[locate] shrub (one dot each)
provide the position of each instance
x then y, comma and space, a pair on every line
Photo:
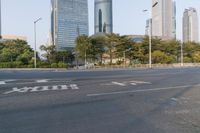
54, 65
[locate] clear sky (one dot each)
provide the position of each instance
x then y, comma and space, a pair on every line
18, 17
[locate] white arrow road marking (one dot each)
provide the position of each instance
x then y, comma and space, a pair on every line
125, 83
120, 84
74, 87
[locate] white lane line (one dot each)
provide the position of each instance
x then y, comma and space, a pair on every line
5, 81
42, 81
144, 90
140, 82
109, 84
117, 83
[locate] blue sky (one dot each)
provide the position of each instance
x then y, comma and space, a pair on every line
18, 17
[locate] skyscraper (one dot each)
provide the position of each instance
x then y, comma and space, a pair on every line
190, 25
103, 16
69, 19
163, 19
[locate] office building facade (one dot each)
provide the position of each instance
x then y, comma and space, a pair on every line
103, 16
190, 25
164, 19
69, 19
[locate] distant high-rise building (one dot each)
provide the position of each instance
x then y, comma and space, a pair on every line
164, 19
69, 19
190, 25
103, 16
174, 20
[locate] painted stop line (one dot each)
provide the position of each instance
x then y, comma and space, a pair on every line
42, 88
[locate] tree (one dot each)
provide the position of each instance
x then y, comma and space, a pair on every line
138, 53
189, 50
97, 48
50, 53
82, 46
196, 57
64, 56
16, 50
159, 57
111, 41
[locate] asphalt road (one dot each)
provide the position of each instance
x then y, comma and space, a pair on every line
113, 101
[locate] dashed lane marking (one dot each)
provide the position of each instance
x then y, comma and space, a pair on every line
139, 82
117, 83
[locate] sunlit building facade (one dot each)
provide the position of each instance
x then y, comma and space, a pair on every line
190, 25
164, 19
69, 19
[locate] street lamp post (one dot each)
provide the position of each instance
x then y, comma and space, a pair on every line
124, 59
85, 59
35, 53
181, 54
150, 41
150, 34
124, 54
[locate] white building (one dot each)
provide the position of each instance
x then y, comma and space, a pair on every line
164, 19
190, 25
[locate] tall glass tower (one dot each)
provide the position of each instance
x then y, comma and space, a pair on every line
103, 16
69, 19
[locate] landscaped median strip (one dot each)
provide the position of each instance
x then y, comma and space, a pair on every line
143, 90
